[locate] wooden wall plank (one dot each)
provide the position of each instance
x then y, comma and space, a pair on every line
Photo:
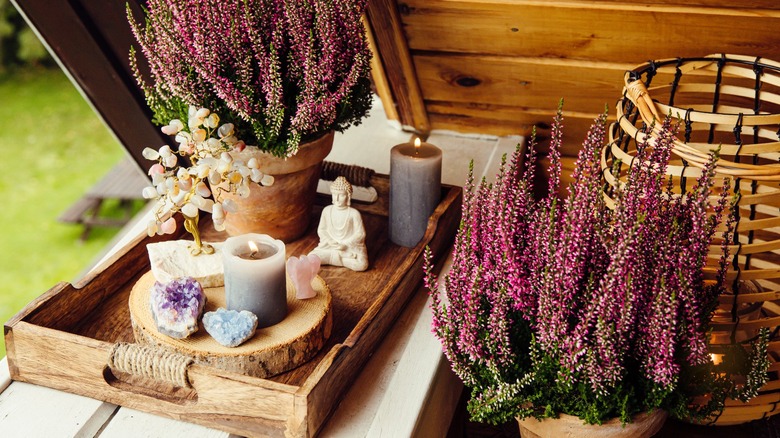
643, 4
726, 4
597, 31
490, 119
508, 96
390, 41
520, 82
495, 66
481, 119
379, 76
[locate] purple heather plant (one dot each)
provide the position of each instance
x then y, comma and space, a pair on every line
584, 308
281, 71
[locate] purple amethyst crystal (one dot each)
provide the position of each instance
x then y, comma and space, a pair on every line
176, 306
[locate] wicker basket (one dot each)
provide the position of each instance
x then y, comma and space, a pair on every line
732, 102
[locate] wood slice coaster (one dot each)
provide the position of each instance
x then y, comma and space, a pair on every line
272, 350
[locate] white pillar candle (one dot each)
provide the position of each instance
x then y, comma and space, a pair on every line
415, 190
255, 277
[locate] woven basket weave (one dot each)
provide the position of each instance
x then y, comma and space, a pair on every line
733, 102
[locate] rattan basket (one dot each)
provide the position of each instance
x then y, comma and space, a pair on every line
733, 102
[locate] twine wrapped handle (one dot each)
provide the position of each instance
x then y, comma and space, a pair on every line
150, 362
359, 176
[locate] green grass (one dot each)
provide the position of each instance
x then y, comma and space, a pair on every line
53, 148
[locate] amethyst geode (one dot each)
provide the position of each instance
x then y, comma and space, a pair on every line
176, 306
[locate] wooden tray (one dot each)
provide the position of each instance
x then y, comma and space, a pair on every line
64, 338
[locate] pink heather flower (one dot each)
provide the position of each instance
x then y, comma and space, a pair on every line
279, 70
596, 290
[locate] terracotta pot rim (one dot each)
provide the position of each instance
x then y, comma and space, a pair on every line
309, 154
644, 424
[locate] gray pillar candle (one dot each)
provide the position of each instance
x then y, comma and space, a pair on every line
255, 278
415, 190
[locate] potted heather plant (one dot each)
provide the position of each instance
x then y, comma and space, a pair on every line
595, 316
285, 74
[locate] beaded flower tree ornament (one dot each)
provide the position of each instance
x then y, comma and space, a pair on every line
188, 190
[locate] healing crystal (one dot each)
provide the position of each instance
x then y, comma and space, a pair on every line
176, 306
302, 271
230, 327
172, 259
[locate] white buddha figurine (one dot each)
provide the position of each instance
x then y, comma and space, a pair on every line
341, 231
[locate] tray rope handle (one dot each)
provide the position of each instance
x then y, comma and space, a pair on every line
150, 362
356, 175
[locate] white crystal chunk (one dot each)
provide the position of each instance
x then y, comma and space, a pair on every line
172, 259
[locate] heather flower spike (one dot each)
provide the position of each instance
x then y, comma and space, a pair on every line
573, 307
280, 71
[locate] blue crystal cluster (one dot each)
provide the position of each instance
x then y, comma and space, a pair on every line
177, 306
230, 328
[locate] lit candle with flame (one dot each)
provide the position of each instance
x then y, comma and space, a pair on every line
415, 190
255, 277
717, 359
257, 252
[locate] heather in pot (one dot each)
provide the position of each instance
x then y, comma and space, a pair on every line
572, 307
282, 72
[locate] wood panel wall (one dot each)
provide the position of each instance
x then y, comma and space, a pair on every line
501, 66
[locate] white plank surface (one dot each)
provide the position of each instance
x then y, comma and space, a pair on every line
504, 146
413, 384
356, 413
32, 411
129, 423
368, 144
5, 375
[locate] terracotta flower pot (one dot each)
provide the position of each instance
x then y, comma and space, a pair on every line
644, 425
282, 210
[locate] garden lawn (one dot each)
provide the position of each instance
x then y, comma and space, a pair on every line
53, 148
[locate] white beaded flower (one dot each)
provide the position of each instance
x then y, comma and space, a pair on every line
190, 189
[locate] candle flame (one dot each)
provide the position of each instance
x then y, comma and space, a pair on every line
417, 143
716, 358
252, 246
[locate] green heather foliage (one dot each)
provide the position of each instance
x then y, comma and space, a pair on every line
572, 307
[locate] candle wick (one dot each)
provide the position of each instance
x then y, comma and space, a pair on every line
253, 254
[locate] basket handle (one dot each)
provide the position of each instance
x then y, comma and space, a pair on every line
638, 94
150, 362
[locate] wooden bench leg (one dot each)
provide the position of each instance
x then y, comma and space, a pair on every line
88, 219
